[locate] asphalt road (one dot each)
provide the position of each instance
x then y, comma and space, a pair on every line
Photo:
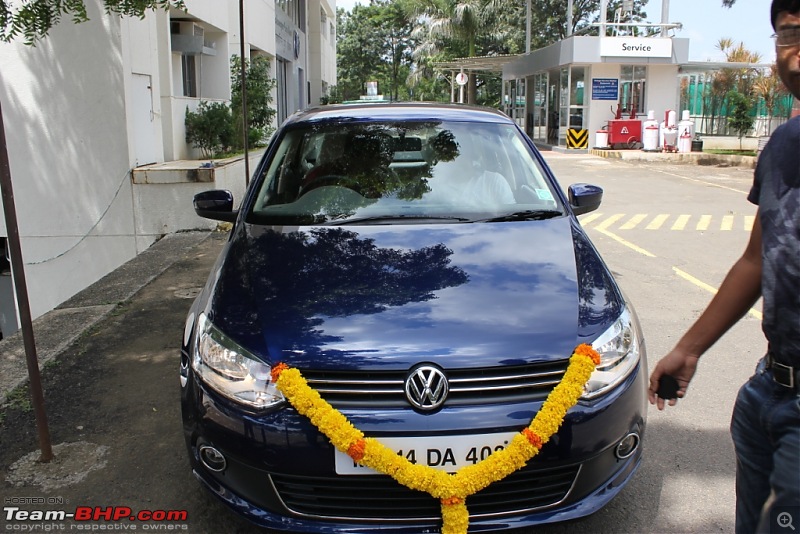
668, 232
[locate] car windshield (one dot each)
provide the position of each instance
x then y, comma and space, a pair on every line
389, 172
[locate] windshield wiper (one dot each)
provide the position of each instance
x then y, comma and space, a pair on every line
527, 215
399, 217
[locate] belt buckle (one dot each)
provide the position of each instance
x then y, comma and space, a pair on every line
785, 370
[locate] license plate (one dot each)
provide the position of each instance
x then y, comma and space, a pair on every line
446, 453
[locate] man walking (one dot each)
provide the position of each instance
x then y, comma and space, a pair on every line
766, 418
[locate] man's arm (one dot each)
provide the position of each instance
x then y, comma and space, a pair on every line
738, 293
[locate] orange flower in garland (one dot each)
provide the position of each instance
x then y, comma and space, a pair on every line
451, 490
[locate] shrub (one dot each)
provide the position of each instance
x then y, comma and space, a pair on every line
739, 117
210, 128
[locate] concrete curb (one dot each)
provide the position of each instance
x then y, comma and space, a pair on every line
696, 158
57, 330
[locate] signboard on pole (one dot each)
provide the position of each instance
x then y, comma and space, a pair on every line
462, 78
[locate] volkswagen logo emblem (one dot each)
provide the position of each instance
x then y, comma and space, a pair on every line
426, 388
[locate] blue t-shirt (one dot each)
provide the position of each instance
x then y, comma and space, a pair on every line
776, 190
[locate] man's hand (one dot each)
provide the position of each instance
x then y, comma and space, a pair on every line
679, 365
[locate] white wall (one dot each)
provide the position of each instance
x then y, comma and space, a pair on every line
663, 90
65, 121
599, 111
68, 106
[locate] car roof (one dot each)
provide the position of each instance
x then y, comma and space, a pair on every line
399, 111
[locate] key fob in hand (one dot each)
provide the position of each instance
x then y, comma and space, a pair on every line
667, 387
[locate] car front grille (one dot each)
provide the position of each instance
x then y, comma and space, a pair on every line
375, 497
491, 385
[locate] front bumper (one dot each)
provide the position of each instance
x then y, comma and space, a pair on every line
279, 471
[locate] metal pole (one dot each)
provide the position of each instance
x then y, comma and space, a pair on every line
664, 17
245, 122
603, 17
26, 323
528, 27
569, 18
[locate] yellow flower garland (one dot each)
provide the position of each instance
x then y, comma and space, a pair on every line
451, 490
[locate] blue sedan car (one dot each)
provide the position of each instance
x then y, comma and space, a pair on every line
423, 270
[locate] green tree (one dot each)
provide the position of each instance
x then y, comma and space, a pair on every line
770, 89
373, 44
549, 18
739, 116
729, 79
259, 86
33, 19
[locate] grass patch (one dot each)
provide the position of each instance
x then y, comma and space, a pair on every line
19, 399
729, 152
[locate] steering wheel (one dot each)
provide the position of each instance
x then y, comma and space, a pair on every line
332, 180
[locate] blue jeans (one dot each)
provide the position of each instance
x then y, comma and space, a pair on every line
766, 435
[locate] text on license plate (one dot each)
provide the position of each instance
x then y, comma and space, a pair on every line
447, 453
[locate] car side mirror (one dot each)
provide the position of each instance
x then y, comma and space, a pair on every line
584, 198
216, 204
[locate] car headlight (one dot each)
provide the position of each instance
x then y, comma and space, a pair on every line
619, 349
231, 370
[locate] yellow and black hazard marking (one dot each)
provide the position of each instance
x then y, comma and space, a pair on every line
577, 138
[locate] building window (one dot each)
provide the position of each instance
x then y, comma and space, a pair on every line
576, 96
632, 88
294, 9
189, 72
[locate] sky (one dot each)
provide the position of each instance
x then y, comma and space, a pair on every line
705, 22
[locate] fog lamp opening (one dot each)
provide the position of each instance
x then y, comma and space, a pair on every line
212, 459
627, 446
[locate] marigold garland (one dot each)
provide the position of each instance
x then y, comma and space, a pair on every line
452, 490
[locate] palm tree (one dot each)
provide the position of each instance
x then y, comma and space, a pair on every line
769, 87
726, 80
449, 22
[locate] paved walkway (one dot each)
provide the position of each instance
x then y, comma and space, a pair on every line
58, 329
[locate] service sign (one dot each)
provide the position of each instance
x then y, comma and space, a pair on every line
636, 47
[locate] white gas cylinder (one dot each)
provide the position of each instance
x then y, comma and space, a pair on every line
686, 125
650, 133
685, 142
601, 139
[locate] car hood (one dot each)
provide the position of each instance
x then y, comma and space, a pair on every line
391, 296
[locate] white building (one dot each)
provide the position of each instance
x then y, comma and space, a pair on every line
92, 102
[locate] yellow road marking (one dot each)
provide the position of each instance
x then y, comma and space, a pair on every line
702, 285
727, 223
680, 222
590, 218
611, 220
628, 244
633, 221
705, 219
656, 223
